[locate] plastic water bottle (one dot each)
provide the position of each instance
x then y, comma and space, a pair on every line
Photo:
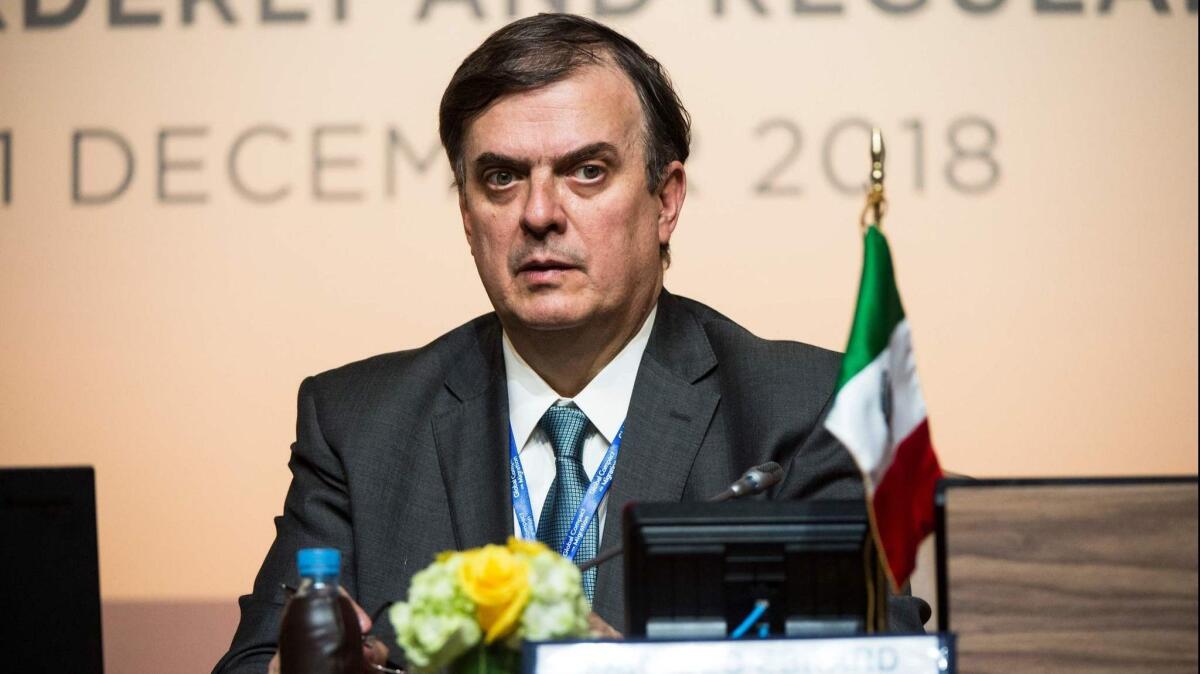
320, 633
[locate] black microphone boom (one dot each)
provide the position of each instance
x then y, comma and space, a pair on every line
754, 481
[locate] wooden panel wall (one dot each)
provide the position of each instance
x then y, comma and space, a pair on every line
1054, 578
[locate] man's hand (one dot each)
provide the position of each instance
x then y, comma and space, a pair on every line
375, 652
601, 629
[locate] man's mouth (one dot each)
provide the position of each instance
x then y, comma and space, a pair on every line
544, 264
541, 270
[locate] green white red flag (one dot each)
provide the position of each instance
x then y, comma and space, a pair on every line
879, 415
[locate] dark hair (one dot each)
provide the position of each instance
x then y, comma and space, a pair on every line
539, 50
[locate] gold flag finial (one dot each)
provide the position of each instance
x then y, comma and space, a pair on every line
876, 205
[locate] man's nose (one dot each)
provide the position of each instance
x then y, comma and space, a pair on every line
543, 210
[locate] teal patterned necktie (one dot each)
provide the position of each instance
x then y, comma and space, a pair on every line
566, 425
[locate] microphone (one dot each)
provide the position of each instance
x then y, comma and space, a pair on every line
754, 481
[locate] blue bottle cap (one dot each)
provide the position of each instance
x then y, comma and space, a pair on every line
314, 562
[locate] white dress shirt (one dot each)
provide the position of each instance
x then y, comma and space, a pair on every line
605, 401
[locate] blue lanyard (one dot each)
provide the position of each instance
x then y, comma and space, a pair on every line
587, 507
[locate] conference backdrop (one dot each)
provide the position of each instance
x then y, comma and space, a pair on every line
202, 202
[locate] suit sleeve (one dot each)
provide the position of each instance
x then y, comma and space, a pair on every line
316, 513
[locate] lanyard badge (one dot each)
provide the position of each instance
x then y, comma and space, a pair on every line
596, 490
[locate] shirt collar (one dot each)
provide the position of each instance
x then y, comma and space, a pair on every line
605, 399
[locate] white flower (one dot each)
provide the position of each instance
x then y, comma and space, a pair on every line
437, 624
555, 579
557, 608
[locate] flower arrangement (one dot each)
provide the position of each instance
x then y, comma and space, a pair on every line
470, 611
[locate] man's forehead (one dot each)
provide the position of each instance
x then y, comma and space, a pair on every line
594, 104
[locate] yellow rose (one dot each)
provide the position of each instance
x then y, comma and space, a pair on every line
526, 547
498, 582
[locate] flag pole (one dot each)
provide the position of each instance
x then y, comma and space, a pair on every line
876, 570
876, 205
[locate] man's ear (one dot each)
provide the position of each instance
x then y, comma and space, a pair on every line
671, 194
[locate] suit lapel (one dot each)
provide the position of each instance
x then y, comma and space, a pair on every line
472, 441
667, 421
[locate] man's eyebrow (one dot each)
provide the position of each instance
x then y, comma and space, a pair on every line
494, 159
590, 151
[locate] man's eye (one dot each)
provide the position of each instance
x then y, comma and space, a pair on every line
500, 178
589, 172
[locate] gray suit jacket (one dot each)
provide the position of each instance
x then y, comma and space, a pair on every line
404, 455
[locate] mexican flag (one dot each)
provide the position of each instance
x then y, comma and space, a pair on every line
879, 415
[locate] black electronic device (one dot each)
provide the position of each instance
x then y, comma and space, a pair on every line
698, 569
49, 572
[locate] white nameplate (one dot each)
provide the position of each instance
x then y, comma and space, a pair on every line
922, 654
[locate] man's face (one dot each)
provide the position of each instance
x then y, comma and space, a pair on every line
555, 205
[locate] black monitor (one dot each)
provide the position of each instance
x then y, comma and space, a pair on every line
49, 576
698, 570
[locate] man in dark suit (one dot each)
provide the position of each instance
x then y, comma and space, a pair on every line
568, 146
